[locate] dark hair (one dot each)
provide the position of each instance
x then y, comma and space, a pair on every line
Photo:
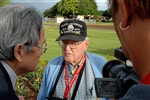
140, 8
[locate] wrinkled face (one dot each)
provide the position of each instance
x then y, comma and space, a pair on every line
24, 61
74, 55
37, 51
29, 61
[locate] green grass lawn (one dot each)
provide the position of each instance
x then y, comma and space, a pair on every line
102, 42
104, 23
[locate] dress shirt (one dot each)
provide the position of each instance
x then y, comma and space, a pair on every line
10, 72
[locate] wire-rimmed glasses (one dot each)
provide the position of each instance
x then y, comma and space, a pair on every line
44, 46
72, 45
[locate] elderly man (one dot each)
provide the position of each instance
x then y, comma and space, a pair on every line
71, 76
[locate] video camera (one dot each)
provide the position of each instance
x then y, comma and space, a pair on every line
118, 77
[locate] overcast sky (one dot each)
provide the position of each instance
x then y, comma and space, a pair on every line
42, 5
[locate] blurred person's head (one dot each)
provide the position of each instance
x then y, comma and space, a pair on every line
21, 37
139, 8
132, 25
73, 40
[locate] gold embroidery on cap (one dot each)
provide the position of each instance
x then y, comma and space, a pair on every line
78, 32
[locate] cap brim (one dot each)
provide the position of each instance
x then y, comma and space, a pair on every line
71, 37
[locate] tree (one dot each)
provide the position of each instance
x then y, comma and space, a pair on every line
61, 7
73, 7
67, 7
4, 2
88, 7
100, 13
107, 13
51, 12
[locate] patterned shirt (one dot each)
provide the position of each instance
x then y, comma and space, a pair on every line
86, 89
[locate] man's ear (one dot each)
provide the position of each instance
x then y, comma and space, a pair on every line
18, 52
124, 12
87, 44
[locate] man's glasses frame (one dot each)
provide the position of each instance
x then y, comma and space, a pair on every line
72, 45
44, 46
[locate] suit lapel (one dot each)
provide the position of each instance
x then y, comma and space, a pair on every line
4, 75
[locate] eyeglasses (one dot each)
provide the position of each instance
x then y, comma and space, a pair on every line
72, 45
44, 46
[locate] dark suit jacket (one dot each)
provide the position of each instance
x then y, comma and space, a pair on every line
6, 89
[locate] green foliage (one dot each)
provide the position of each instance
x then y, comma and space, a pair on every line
107, 13
51, 12
72, 7
100, 13
4, 2
68, 7
28, 85
88, 7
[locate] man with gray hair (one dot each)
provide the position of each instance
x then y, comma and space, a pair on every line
71, 75
22, 42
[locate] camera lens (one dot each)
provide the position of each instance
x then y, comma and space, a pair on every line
114, 69
117, 69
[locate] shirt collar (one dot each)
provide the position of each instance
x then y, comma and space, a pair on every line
10, 72
70, 67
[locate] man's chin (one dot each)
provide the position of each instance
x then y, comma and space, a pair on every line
68, 59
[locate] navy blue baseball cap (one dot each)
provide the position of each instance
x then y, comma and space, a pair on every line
72, 30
